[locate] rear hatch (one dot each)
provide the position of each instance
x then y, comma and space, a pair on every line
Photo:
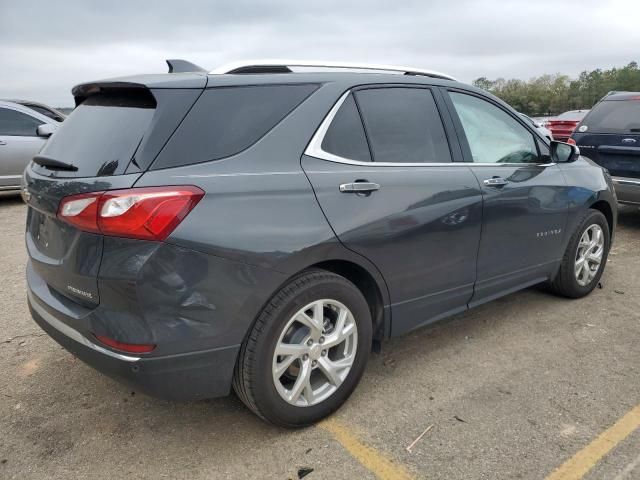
106, 143
610, 136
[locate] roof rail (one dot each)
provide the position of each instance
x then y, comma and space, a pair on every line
285, 66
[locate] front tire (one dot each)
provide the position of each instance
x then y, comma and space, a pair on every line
585, 258
307, 350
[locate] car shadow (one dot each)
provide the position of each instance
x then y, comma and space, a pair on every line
10, 199
629, 216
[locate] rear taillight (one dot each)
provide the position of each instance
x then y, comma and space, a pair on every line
150, 213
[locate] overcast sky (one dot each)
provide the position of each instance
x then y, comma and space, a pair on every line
48, 46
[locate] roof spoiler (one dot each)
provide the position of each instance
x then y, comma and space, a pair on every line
177, 65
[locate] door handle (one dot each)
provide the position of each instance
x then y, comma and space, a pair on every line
495, 182
2, 142
359, 187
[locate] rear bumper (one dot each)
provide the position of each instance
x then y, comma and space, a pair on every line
187, 376
627, 190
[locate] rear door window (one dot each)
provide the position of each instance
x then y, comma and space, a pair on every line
102, 134
345, 136
228, 120
17, 124
403, 125
614, 116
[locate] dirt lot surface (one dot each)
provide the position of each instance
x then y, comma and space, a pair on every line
512, 389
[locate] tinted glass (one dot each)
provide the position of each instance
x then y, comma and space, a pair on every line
403, 125
101, 134
493, 135
345, 136
17, 124
225, 121
614, 116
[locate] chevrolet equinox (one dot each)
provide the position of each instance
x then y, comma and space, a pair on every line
264, 226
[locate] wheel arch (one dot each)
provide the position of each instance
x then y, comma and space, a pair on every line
603, 207
367, 284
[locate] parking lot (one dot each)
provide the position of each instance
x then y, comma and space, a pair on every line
513, 389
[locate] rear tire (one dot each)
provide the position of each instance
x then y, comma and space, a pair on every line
580, 270
320, 362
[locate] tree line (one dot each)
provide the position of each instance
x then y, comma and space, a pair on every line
554, 94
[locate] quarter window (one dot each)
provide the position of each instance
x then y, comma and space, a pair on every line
18, 124
345, 136
228, 120
493, 135
403, 125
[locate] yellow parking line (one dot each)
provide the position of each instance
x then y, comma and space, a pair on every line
579, 465
369, 458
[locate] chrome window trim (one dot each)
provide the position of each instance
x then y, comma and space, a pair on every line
314, 149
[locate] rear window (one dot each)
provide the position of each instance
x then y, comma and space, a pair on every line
228, 120
574, 115
102, 134
614, 116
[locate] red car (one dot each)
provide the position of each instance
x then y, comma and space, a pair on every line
563, 125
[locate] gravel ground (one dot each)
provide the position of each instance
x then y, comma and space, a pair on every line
513, 389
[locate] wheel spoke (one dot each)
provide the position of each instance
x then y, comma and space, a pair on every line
314, 322
339, 336
301, 382
294, 349
282, 366
586, 273
328, 368
595, 258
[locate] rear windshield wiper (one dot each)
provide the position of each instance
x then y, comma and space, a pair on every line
53, 164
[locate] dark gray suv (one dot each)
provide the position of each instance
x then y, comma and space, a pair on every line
265, 228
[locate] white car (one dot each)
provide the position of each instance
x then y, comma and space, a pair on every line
23, 132
544, 131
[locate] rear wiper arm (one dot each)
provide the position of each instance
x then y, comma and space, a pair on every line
53, 164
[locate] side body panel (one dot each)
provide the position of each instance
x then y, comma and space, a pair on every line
17, 151
421, 229
15, 154
524, 214
524, 223
587, 184
260, 214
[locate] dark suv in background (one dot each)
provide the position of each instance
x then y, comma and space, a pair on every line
610, 136
263, 228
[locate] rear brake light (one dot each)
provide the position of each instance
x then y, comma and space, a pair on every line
150, 213
125, 347
81, 211
571, 141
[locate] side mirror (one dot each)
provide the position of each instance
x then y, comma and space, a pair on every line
46, 130
563, 152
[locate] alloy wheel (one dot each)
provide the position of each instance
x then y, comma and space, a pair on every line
315, 352
589, 255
